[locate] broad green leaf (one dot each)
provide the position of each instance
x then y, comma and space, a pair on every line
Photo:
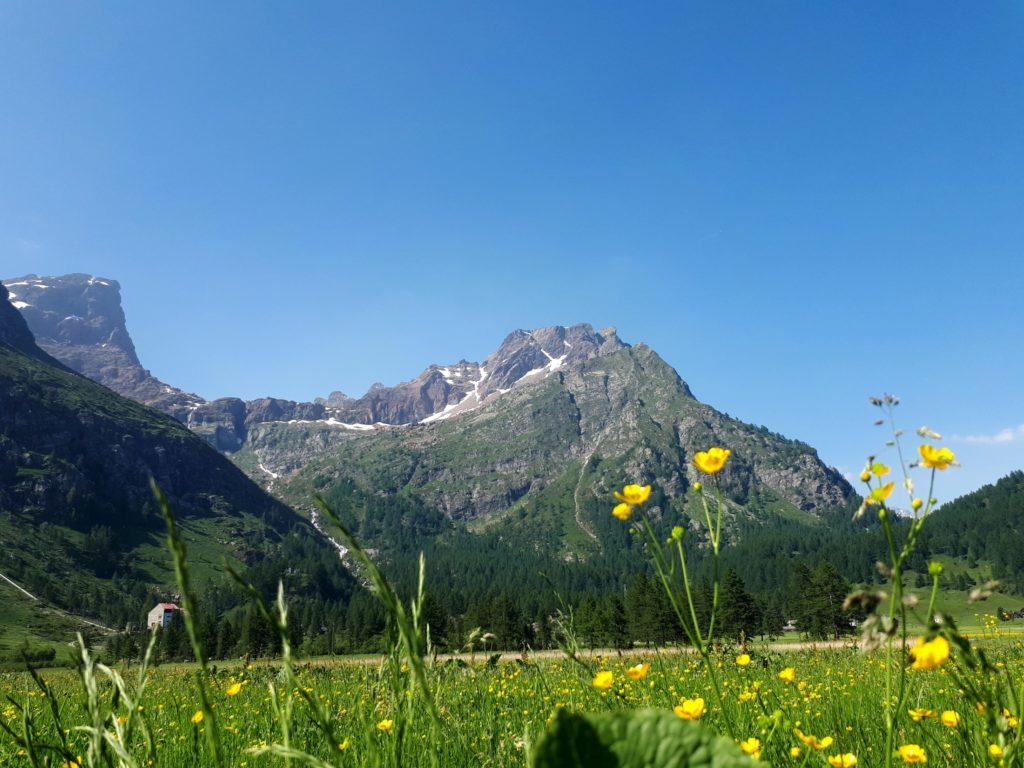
642, 739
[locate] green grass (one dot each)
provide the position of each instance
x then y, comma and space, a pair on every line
490, 716
25, 622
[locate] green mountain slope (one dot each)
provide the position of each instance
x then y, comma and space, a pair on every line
77, 524
544, 457
986, 525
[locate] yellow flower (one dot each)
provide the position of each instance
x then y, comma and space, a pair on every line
344, 745
847, 760
751, 746
788, 675
950, 718
878, 469
690, 709
743, 660
697, 487
197, 718
813, 741
794, 752
917, 503
603, 680
936, 458
639, 672
912, 753
994, 750
634, 494
623, 511
929, 655
917, 714
386, 725
881, 493
865, 476
712, 460
234, 689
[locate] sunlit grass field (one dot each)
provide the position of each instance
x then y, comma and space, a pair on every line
493, 713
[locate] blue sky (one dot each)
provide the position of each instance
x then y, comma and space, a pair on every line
796, 204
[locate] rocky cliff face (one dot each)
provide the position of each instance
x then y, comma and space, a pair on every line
74, 452
78, 319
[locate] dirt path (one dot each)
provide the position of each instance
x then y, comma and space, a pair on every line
53, 608
609, 653
19, 588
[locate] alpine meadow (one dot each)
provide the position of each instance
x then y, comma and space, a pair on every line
651, 500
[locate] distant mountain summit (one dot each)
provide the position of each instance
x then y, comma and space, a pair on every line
443, 391
78, 319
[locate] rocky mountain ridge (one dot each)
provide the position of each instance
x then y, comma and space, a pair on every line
79, 320
550, 406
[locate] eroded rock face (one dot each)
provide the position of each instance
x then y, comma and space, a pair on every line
72, 451
78, 319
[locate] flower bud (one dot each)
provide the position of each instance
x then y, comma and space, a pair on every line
865, 476
935, 568
917, 504
883, 514
697, 487
678, 532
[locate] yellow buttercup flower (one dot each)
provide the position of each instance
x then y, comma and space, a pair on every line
929, 655
751, 746
847, 760
746, 696
917, 714
603, 680
881, 493
234, 689
813, 741
197, 718
344, 745
936, 458
788, 675
634, 494
743, 660
623, 511
690, 709
712, 460
638, 672
386, 725
878, 469
950, 718
912, 753
994, 750
794, 752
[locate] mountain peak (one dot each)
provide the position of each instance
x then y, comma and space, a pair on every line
78, 319
75, 309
